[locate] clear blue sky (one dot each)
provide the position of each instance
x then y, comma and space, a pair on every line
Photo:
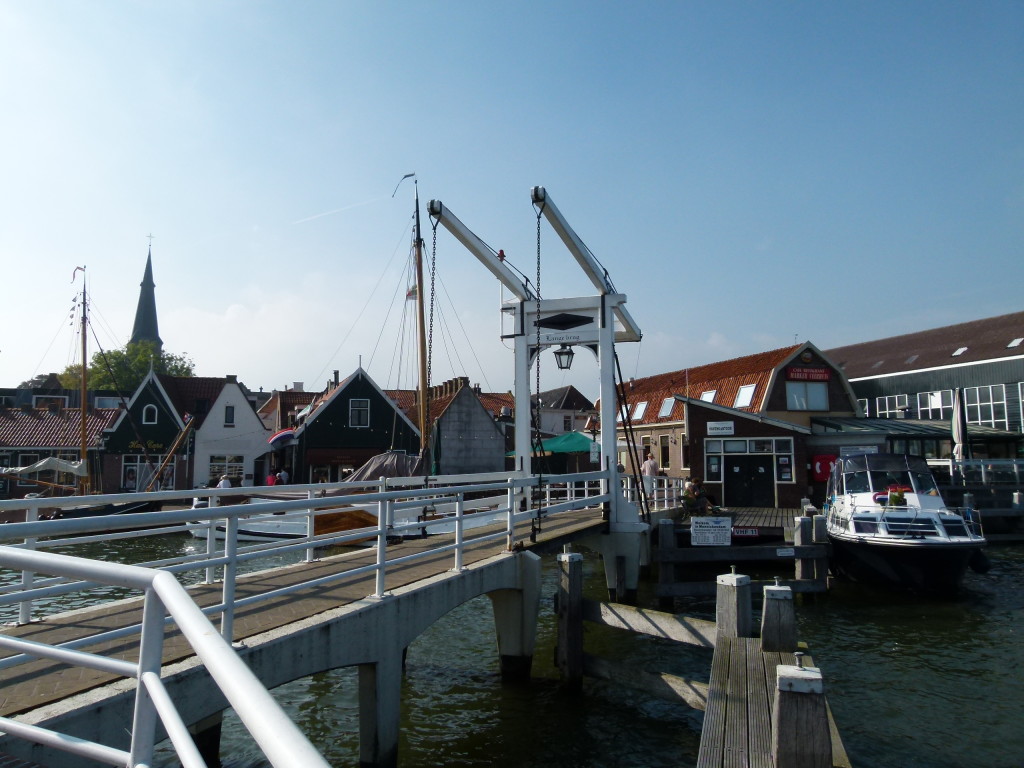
750, 173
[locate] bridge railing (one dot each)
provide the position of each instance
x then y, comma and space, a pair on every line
399, 512
282, 742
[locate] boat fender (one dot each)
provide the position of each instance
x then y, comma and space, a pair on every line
979, 562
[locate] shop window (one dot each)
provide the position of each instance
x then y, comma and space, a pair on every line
735, 446
713, 468
761, 446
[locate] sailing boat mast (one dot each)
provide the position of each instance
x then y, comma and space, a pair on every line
421, 325
83, 482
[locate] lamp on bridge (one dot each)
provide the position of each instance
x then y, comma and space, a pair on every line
563, 357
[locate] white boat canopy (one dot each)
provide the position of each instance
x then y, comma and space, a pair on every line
51, 463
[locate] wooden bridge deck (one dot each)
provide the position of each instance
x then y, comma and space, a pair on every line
41, 681
737, 729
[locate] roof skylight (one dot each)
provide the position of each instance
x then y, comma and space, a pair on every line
959, 351
1015, 343
666, 407
744, 396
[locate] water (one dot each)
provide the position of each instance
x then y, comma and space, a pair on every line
912, 682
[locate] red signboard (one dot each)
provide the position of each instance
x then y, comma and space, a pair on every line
798, 373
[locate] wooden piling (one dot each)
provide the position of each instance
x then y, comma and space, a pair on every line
778, 620
803, 532
569, 648
800, 727
666, 568
733, 612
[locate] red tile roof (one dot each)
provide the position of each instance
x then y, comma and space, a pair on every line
724, 378
45, 428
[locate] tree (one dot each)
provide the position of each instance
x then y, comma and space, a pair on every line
124, 369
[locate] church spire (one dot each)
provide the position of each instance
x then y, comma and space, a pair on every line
145, 328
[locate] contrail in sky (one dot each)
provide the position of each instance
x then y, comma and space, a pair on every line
337, 210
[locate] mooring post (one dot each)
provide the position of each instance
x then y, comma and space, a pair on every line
569, 648
800, 732
820, 536
778, 619
733, 611
802, 536
666, 570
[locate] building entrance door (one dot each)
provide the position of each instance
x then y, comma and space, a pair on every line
749, 481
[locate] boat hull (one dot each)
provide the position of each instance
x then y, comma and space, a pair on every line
915, 565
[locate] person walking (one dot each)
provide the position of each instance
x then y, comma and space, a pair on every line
649, 469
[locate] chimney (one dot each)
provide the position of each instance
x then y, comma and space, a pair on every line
232, 378
297, 387
336, 380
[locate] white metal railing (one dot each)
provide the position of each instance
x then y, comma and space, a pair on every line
664, 492
399, 511
282, 742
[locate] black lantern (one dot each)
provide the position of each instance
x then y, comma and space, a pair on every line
563, 357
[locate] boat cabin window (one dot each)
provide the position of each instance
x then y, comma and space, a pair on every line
857, 482
881, 481
924, 483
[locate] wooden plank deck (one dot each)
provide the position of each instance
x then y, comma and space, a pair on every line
41, 681
769, 520
737, 729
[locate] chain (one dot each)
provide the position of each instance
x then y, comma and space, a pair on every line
430, 332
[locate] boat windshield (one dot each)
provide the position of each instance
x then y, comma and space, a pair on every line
892, 478
857, 482
924, 483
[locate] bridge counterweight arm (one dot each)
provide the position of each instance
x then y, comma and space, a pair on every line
478, 248
594, 271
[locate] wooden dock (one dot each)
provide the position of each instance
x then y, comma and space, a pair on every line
758, 535
741, 697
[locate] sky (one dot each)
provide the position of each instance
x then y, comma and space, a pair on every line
751, 174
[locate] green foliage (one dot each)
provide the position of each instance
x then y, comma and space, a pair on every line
124, 369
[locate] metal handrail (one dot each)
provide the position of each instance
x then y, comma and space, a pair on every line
284, 745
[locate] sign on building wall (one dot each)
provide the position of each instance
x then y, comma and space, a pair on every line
798, 373
721, 428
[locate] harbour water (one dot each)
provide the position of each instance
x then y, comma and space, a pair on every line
915, 683
912, 682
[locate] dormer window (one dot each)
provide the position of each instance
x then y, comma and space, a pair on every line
149, 414
666, 407
744, 396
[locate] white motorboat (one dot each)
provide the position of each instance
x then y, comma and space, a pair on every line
887, 522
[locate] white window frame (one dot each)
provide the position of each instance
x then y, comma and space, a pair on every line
801, 401
937, 404
744, 396
986, 405
229, 416
708, 395
638, 412
666, 407
149, 414
354, 409
865, 406
890, 406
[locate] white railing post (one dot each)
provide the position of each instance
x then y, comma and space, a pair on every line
459, 504
28, 577
227, 623
211, 541
310, 527
150, 660
385, 509
510, 525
